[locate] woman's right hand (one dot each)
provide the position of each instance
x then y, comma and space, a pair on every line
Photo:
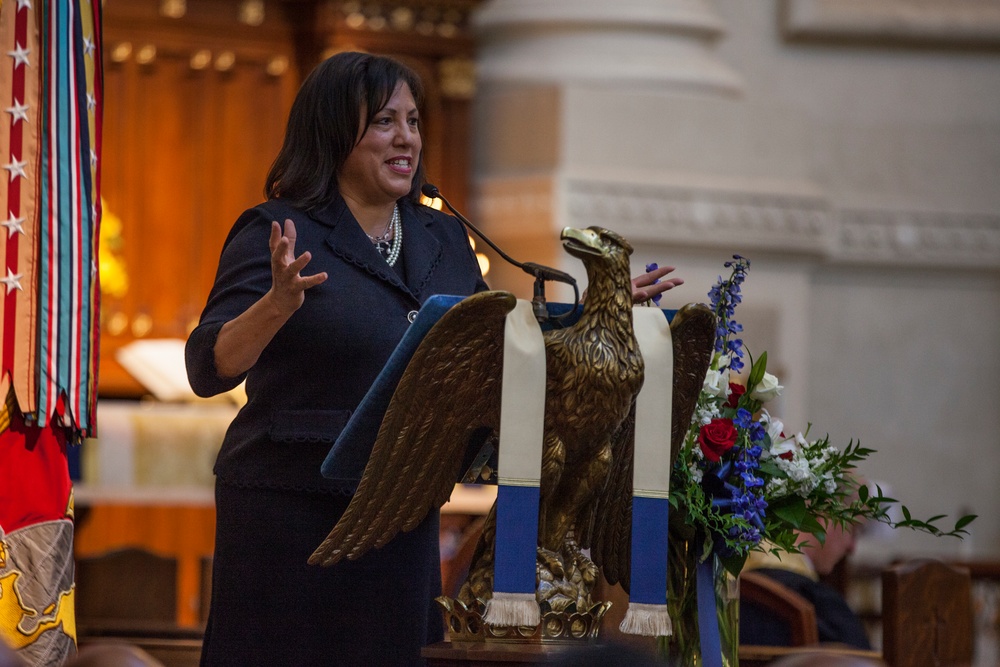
288, 285
242, 339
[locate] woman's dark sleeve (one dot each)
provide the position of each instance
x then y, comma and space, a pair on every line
243, 277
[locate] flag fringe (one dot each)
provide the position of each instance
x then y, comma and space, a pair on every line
647, 620
512, 609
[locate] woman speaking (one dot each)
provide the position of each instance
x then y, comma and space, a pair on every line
314, 289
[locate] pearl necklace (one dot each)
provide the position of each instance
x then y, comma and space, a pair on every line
390, 249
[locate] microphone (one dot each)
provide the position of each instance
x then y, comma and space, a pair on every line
539, 271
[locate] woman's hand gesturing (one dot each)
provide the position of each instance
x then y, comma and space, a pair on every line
650, 285
288, 285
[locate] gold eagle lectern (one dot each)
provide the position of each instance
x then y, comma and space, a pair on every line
451, 390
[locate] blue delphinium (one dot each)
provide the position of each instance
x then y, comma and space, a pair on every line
737, 487
748, 497
724, 296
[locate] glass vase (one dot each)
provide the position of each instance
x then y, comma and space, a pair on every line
683, 647
727, 604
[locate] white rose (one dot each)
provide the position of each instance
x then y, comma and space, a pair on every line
766, 389
717, 383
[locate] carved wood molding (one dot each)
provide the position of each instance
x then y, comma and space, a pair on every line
944, 22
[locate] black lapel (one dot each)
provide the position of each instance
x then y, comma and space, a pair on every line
421, 250
349, 242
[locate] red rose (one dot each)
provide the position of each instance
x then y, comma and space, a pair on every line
716, 438
735, 391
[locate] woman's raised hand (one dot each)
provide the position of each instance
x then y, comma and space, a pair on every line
288, 285
650, 285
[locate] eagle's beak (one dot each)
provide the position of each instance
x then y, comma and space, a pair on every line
581, 241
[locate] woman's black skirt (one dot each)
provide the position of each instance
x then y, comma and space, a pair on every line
270, 607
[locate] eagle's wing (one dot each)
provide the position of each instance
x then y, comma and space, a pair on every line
450, 388
693, 334
611, 534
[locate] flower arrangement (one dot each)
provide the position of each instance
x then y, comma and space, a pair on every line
740, 476
740, 483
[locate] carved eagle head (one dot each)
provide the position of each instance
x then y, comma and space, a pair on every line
605, 255
585, 244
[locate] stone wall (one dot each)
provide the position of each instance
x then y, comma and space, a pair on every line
852, 150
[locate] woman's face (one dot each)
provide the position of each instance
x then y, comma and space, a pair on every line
380, 168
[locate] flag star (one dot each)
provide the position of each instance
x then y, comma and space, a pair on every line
16, 168
13, 225
12, 281
88, 46
91, 102
93, 159
21, 4
20, 55
18, 112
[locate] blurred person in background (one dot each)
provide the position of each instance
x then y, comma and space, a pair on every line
801, 572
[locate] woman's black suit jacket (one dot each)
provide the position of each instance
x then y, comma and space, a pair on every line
273, 507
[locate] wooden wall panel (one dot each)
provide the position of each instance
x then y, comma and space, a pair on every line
189, 137
195, 112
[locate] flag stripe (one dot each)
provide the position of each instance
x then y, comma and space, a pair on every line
14, 154
68, 364
46, 331
23, 372
84, 225
62, 223
73, 286
95, 84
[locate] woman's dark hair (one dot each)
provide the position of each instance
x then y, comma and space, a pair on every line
323, 125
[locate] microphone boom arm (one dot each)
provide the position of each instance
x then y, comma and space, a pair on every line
540, 272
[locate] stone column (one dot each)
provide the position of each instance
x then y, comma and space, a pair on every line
657, 42
624, 115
